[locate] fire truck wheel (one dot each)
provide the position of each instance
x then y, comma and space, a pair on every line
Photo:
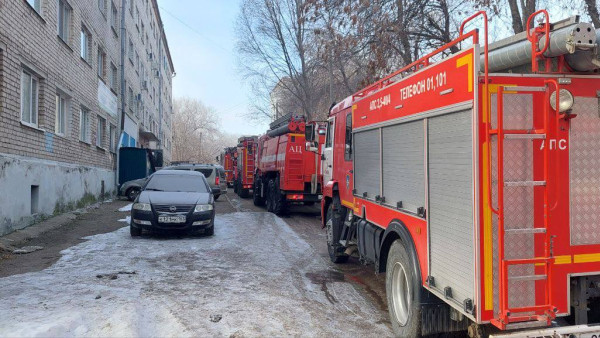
402, 290
235, 186
258, 200
336, 253
244, 193
276, 199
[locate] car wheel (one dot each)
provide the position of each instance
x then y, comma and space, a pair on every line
334, 220
256, 198
132, 193
134, 232
402, 288
277, 199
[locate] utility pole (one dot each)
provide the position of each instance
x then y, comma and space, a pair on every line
122, 116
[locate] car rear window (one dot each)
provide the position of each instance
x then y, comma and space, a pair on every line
177, 183
206, 172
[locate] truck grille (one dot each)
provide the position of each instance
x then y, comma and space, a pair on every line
167, 208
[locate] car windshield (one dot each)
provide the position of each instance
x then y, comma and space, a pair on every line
174, 183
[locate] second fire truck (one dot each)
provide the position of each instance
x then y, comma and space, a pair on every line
473, 183
286, 173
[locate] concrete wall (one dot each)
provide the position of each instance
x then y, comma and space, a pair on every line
61, 187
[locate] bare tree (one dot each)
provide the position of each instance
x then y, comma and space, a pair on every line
194, 125
274, 43
592, 10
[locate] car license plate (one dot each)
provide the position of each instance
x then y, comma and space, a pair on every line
171, 219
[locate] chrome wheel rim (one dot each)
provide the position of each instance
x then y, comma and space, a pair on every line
400, 294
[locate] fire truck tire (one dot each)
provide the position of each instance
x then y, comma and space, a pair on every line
402, 288
334, 219
258, 200
244, 193
235, 186
276, 198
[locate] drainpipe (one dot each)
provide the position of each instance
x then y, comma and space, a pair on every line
122, 117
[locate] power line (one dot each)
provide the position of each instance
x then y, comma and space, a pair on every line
193, 29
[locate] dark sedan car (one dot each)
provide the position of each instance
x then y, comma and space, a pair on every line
174, 200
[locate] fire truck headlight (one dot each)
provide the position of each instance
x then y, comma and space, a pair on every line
565, 100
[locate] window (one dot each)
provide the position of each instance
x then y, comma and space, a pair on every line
36, 4
62, 106
130, 51
85, 44
112, 135
137, 62
329, 137
130, 99
114, 22
100, 131
29, 98
142, 35
64, 20
84, 125
101, 63
348, 149
102, 6
113, 77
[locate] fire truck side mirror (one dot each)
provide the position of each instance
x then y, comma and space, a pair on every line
311, 147
309, 133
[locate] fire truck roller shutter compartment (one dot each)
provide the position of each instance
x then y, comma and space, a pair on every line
367, 160
450, 157
584, 158
404, 165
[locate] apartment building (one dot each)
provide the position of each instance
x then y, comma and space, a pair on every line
61, 102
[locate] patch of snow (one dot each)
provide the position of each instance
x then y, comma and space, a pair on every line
126, 208
260, 279
126, 219
27, 249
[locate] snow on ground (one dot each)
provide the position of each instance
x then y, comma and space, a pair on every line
255, 272
126, 219
126, 208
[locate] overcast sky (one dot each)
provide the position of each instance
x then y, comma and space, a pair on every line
202, 39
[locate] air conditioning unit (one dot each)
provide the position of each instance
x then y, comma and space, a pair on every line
139, 97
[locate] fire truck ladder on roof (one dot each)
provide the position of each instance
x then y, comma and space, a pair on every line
535, 315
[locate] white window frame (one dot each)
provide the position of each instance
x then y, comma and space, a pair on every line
101, 71
84, 125
112, 131
62, 114
85, 44
100, 131
32, 82
64, 15
114, 17
114, 75
36, 5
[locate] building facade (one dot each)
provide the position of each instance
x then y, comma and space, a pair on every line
60, 102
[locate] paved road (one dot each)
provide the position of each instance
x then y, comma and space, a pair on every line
260, 275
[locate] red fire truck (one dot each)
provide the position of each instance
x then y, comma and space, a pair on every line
229, 163
473, 182
244, 176
286, 173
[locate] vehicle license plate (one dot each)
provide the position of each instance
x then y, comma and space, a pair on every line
171, 219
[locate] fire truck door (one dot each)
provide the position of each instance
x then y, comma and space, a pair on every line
328, 151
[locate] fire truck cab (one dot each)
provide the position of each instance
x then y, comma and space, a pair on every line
473, 183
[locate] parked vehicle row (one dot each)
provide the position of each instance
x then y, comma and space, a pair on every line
470, 190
